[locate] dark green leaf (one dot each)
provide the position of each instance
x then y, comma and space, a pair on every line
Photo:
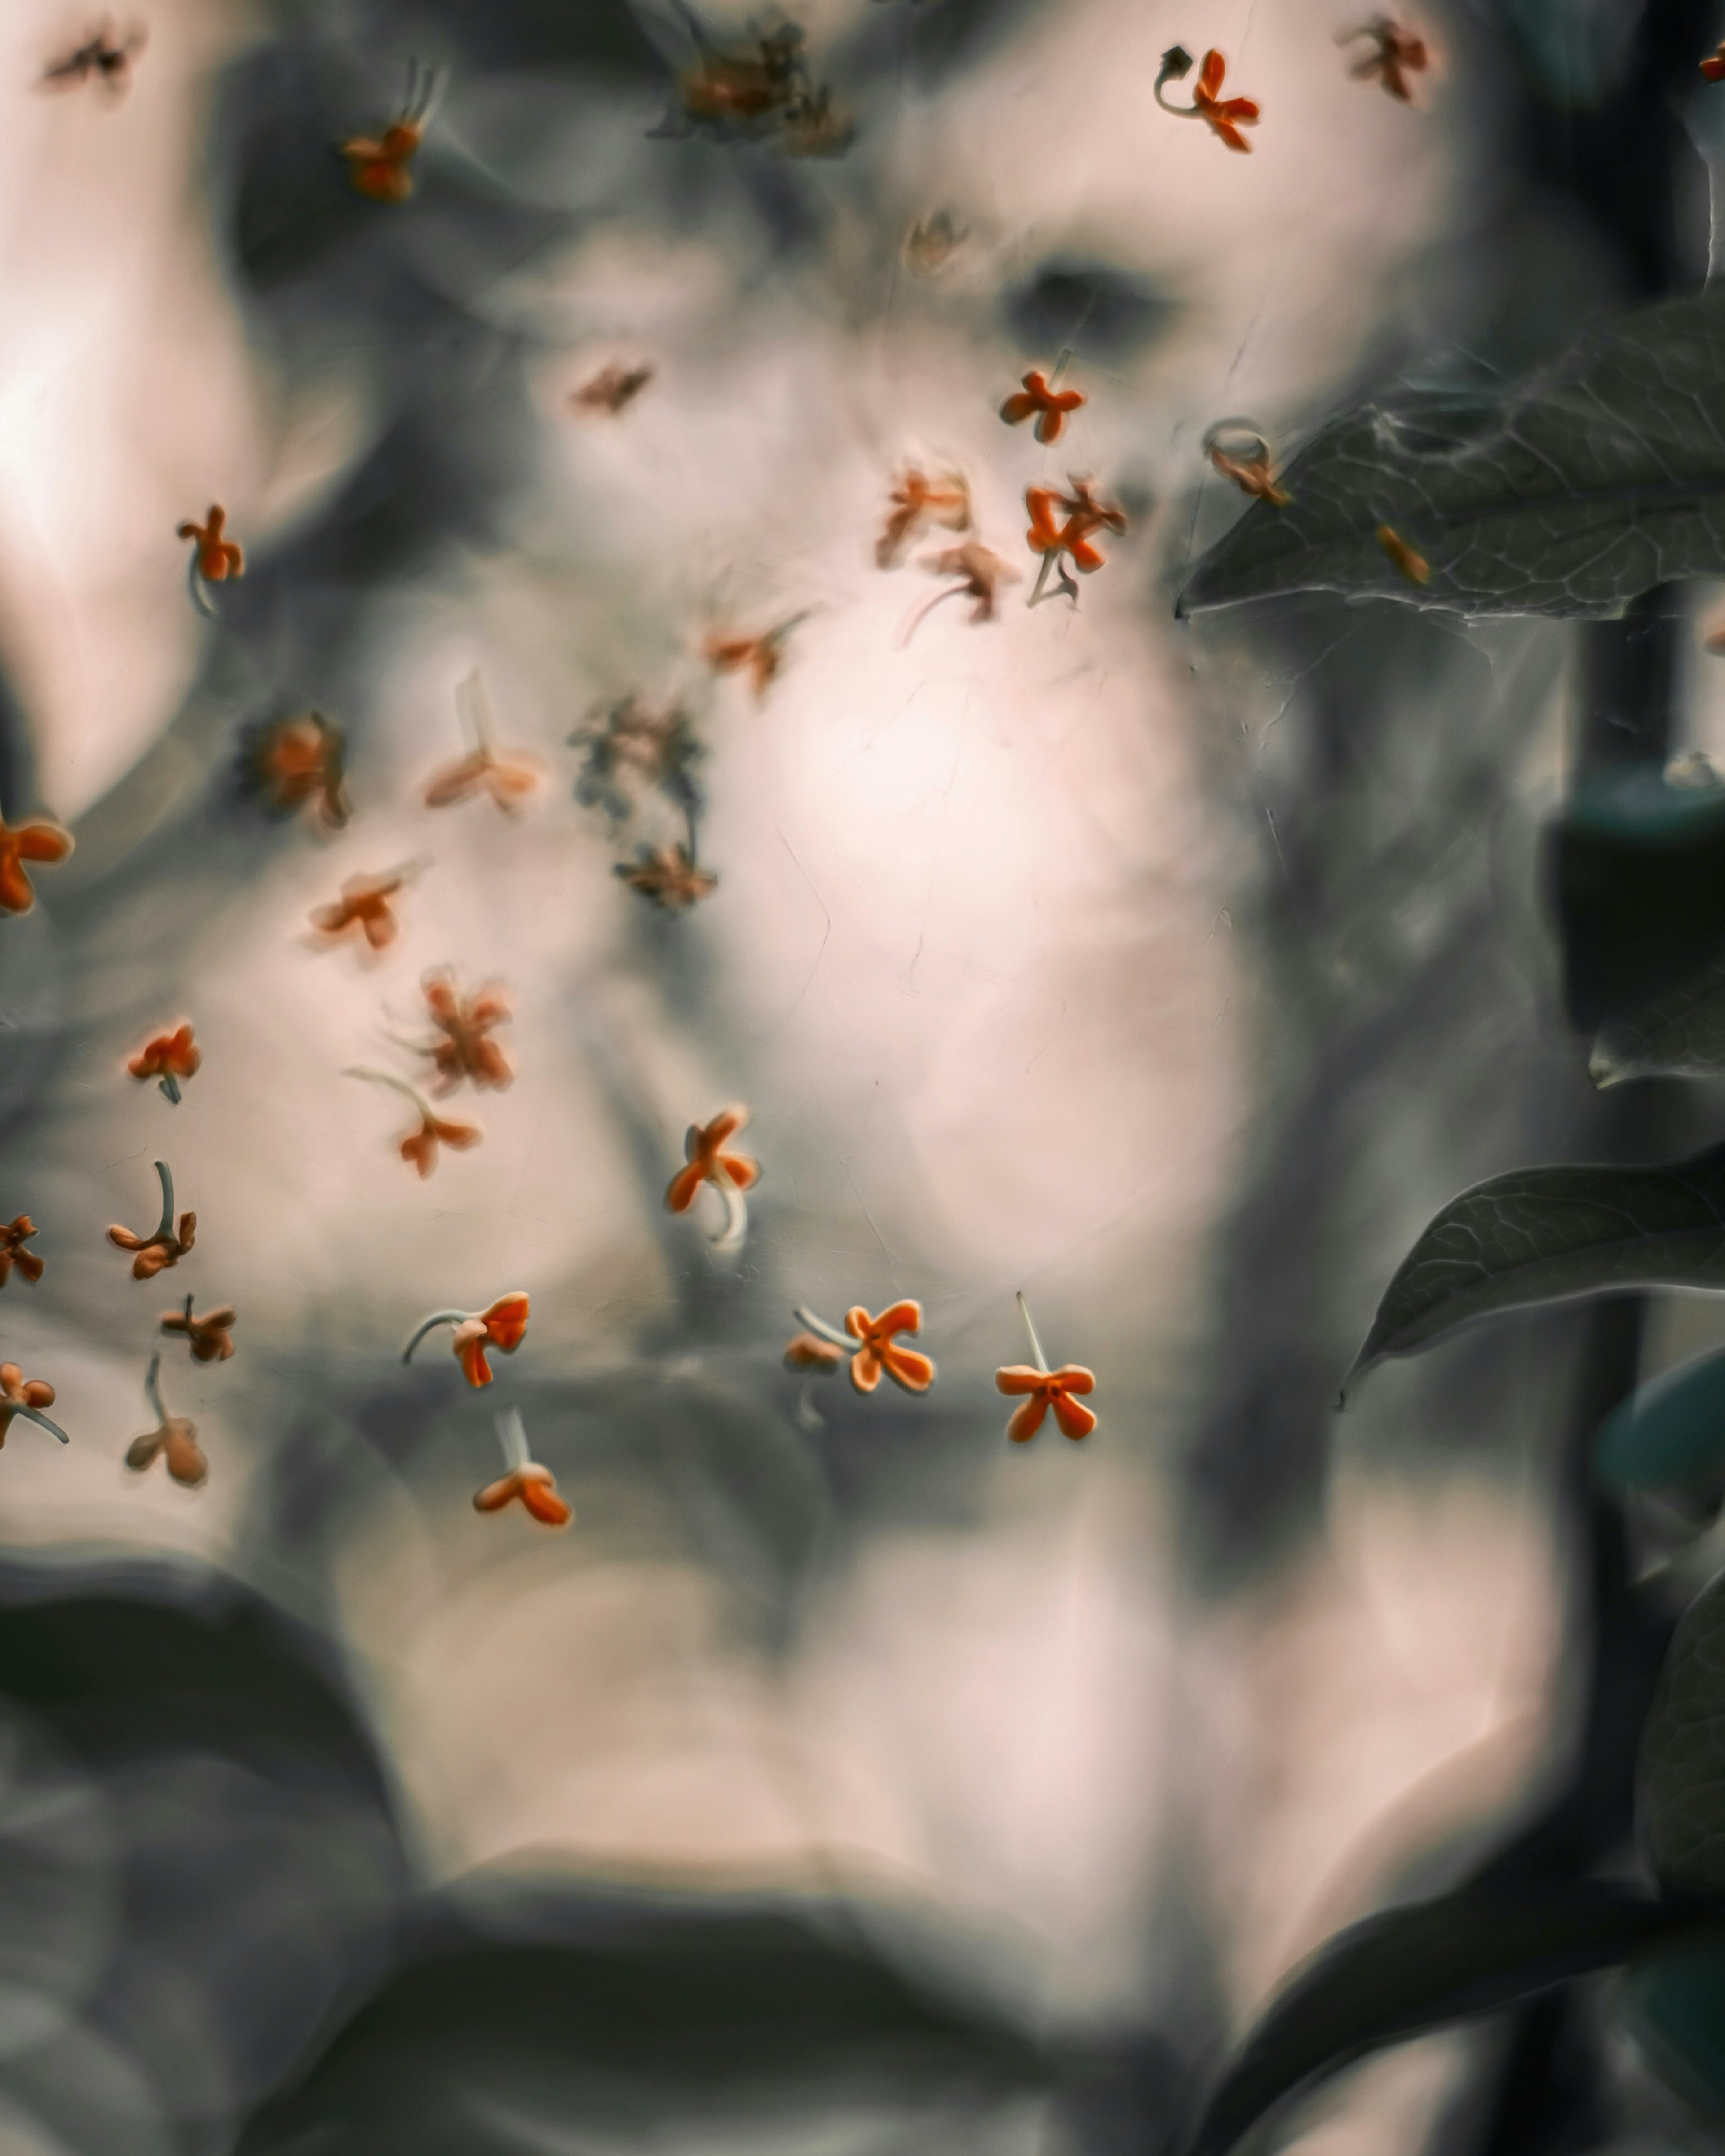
1675, 2006
1550, 1235
1681, 1796
1668, 1435
1419, 1967
1595, 481
1680, 1033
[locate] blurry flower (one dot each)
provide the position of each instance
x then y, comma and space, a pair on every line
302, 760
667, 875
211, 1335
764, 92
763, 655
12, 1252
813, 126
172, 1435
166, 1247
27, 842
98, 59
502, 1326
1067, 538
1225, 116
611, 388
508, 779
526, 1482
1050, 405
381, 170
167, 1059
932, 243
808, 1352
1046, 1390
1713, 66
979, 571
364, 904
1414, 566
1397, 54
419, 1148
216, 558
1249, 470
918, 501
703, 1147
27, 1398
876, 1351
630, 745
466, 1049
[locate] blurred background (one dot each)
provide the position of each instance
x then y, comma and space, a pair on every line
1171, 973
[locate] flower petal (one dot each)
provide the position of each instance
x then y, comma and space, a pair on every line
471, 1356
685, 1187
866, 1369
906, 1368
1026, 1420
1019, 1377
1074, 1417
506, 1320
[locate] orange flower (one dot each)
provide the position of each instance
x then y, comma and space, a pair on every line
1083, 515
28, 842
19, 1397
808, 1352
1250, 471
932, 243
708, 1162
877, 1352
173, 1435
508, 779
611, 388
502, 1326
1713, 66
1046, 1390
918, 501
98, 59
532, 1485
168, 1058
1051, 405
419, 1148
216, 558
211, 1337
12, 1252
156, 1253
1414, 566
1225, 116
979, 571
466, 1049
364, 904
381, 169
1397, 54
668, 876
303, 760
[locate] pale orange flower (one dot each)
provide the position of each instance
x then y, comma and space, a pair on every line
1249, 470
535, 1487
668, 876
210, 1336
166, 1246
1051, 406
466, 1049
980, 573
877, 1351
509, 779
918, 501
1397, 53
703, 1147
303, 760
1225, 116
27, 842
419, 1148
364, 905
1068, 537
12, 1252
173, 1436
503, 1327
761, 655
807, 1352
25, 1397
167, 1059
1046, 1390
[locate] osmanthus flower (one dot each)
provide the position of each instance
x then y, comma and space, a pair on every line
300, 760
1067, 537
13, 1239
668, 876
168, 1245
167, 1059
980, 573
465, 1024
730, 1174
1396, 54
525, 1482
918, 501
211, 1336
36, 841
173, 1437
503, 1327
419, 1148
1247, 462
27, 1397
1224, 115
1050, 405
101, 58
611, 389
871, 1343
215, 558
931, 244
1044, 1388
1713, 66
762, 655
1403, 558
381, 169
365, 903
509, 779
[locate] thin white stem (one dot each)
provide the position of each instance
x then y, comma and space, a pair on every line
929, 606
395, 1084
818, 1325
1041, 579
476, 709
808, 1414
1060, 365
200, 598
1036, 1354
165, 1173
430, 1325
737, 1216
512, 1436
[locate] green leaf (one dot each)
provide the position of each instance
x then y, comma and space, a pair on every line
1680, 1797
1676, 2008
1670, 1434
1680, 1033
1598, 480
1418, 1968
1550, 1235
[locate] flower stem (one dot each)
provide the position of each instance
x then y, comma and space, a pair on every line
512, 1436
169, 1089
1036, 1354
429, 1325
165, 1173
152, 1390
200, 598
808, 1414
826, 1331
737, 1216
36, 1415
396, 1084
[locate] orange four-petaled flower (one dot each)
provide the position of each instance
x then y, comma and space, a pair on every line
1224, 115
466, 1049
364, 905
1051, 406
533, 1486
503, 1327
918, 501
1396, 54
667, 876
13, 1239
1070, 534
704, 1149
303, 760
1044, 1390
167, 1059
211, 1336
19, 1395
28, 842
879, 1353
168, 1245
218, 556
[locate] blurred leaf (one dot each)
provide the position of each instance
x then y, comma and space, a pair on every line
1680, 1033
1668, 1435
1550, 1235
1601, 478
1101, 312
1681, 1768
1675, 2007
642, 2008
1415, 1968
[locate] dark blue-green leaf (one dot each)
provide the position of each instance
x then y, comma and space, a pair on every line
1668, 1435
1681, 1794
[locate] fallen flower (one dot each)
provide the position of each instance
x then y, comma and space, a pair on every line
27, 842
730, 1174
508, 779
1396, 56
98, 59
526, 1482
173, 1436
156, 1253
1414, 566
300, 760
932, 243
1050, 405
502, 1326
980, 571
211, 1335
1250, 469
466, 1049
167, 1059
383, 169
1083, 514
808, 1351
364, 904
26, 1398
668, 876
918, 501
12, 1252
611, 388
214, 557
419, 1148
631, 746
1045, 1389
763, 655
877, 1352
1225, 116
